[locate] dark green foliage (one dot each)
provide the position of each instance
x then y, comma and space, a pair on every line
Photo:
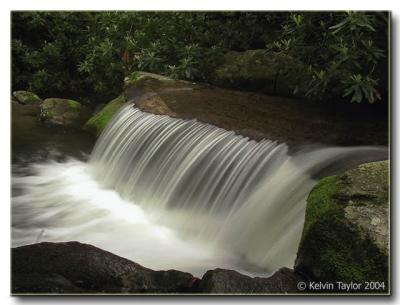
85, 55
66, 54
346, 52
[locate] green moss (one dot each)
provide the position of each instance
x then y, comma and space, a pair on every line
73, 104
97, 123
320, 201
333, 249
337, 252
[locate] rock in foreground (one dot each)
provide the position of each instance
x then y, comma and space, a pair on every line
346, 232
231, 282
72, 267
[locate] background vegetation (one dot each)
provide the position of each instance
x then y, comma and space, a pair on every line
86, 55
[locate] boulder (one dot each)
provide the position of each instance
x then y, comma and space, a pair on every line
73, 267
262, 71
255, 115
250, 114
26, 98
346, 231
64, 112
231, 282
98, 122
138, 86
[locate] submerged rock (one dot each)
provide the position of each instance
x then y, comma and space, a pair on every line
73, 267
346, 231
232, 282
26, 98
63, 112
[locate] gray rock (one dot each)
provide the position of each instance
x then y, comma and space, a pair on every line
346, 231
26, 97
64, 112
366, 190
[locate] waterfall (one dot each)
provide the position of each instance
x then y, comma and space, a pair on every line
214, 186
177, 194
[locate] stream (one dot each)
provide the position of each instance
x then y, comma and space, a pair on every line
168, 193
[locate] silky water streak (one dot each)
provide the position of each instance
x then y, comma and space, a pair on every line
214, 186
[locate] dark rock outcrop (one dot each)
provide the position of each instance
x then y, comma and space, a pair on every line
346, 233
73, 267
223, 281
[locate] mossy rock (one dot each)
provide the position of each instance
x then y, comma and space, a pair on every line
63, 112
261, 70
346, 236
138, 86
98, 122
27, 98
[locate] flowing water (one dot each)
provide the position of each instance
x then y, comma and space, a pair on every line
177, 194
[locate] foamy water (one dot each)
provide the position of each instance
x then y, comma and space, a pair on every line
176, 194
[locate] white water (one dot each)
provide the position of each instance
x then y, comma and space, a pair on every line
170, 193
